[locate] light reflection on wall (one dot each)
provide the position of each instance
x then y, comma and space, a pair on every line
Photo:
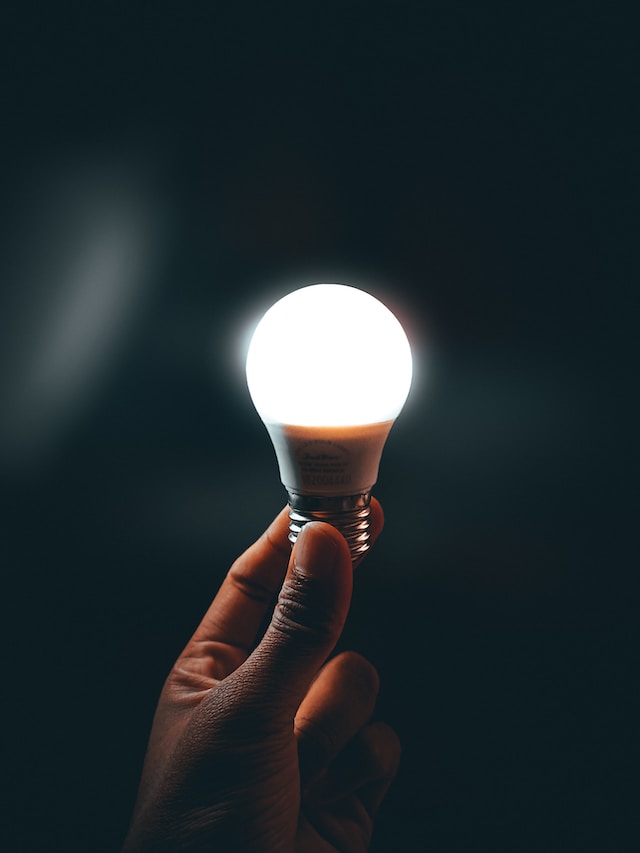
76, 277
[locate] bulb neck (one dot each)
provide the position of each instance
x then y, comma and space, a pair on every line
348, 513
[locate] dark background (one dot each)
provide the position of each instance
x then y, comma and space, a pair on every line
168, 170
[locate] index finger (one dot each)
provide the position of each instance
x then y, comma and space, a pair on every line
237, 611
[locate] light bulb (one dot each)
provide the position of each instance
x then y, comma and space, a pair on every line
329, 369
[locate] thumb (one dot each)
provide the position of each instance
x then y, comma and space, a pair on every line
307, 620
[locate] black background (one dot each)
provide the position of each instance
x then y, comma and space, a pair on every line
471, 164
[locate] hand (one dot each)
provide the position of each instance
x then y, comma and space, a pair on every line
268, 747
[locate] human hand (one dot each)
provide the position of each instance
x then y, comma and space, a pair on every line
269, 747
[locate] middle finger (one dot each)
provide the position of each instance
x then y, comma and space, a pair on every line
340, 701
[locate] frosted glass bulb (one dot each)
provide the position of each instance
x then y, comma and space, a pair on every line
329, 417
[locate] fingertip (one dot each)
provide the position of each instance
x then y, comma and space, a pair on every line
278, 531
273, 541
376, 518
318, 547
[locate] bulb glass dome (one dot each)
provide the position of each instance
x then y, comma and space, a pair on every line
329, 355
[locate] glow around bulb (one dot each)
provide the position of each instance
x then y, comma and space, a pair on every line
329, 369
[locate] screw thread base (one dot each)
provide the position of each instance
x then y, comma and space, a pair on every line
348, 513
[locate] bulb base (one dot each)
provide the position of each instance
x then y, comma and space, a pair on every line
348, 513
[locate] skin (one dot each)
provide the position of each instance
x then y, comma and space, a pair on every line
262, 741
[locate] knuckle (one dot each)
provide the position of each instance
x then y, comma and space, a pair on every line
313, 737
382, 748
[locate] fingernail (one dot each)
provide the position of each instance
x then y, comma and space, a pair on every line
315, 550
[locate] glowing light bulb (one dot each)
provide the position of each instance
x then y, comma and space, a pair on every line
329, 415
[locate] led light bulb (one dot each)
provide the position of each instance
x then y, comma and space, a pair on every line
329, 369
